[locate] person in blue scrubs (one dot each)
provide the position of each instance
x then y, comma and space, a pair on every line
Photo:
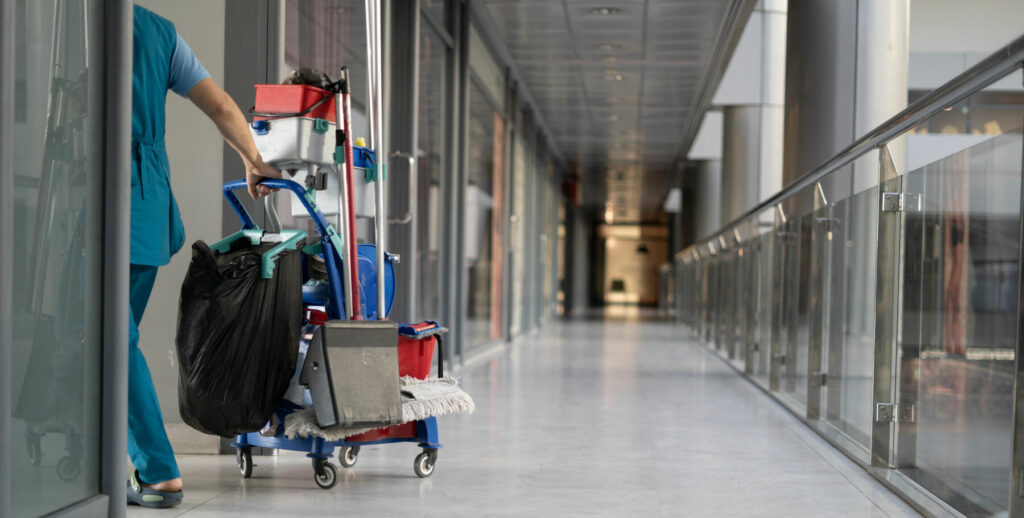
162, 61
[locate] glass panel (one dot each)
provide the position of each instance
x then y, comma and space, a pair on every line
959, 322
438, 10
429, 167
483, 229
58, 211
327, 34
851, 346
485, 67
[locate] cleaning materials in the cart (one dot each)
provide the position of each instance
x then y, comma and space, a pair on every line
421, 399
351, 369
238, 336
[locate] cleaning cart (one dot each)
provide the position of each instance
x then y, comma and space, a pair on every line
362, 379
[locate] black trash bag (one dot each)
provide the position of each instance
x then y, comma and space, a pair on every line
238, 337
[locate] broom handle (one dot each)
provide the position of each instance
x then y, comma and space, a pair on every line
352, 262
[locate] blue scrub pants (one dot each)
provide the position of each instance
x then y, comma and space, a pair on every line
148, 446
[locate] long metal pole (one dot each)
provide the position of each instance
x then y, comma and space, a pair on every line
116, 235
373, 49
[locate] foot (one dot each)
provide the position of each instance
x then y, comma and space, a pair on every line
147, 495
170, 486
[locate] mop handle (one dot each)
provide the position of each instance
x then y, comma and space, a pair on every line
375, 118
349, 187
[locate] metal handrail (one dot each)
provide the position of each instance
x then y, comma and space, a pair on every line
991, 69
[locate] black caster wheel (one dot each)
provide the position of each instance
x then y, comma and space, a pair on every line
424, 463
244, 458
68, 468
324, 474
348, 456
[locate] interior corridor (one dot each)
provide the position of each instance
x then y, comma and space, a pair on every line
618, 416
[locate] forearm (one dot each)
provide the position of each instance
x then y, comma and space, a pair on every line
235, 130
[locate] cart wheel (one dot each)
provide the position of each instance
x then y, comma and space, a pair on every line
349, 456
244, 458
424, 464
68, 468
324, 474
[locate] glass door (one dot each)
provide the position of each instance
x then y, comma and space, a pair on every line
56, 206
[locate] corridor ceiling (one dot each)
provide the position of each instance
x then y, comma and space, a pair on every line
621, 84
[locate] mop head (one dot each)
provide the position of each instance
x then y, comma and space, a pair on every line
420, 399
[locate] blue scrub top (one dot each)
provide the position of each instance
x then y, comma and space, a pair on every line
161, 61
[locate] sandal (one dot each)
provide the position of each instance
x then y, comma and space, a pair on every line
146, 497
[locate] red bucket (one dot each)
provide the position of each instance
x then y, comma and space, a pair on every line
275, 101
415, 356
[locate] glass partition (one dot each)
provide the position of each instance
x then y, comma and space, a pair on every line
483, 229
879, 301
58, 210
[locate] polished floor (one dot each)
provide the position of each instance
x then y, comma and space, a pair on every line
612, 417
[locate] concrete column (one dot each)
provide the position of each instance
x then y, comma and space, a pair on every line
846, 71
752, 96
741, 145
709, 193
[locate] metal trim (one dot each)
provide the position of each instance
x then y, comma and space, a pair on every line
7, 58
116, 235
993, 68
887, 268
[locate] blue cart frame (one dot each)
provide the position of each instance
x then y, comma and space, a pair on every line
319, 449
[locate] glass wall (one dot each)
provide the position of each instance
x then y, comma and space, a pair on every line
58, 224
888, 313
483, 224
431, 164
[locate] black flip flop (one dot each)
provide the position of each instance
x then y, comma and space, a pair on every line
146, 497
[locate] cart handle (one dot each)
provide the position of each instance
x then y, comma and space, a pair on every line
307, 197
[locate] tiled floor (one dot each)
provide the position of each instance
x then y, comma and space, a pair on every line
588, 418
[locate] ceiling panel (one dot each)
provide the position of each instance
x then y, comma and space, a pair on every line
615, 81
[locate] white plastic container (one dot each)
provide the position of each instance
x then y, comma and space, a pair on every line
329, 199
294, 142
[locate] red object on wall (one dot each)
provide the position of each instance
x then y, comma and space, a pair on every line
287, 100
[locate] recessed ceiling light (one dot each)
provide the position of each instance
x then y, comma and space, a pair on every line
604, 11
613, 77
609, 46
608, 59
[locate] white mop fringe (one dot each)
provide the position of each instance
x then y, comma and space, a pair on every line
429, 397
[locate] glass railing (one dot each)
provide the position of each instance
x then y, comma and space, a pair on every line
878, 297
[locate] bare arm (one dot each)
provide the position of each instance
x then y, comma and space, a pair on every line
222, 110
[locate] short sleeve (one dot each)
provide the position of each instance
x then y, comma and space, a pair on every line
186, 70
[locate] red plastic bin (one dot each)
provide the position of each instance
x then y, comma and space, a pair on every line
287, 100
415, 356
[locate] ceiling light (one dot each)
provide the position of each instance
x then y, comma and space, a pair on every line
609, 46
613, 77
604, 11
608, 59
